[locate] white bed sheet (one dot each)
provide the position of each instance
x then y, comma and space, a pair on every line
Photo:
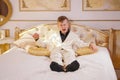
16, 64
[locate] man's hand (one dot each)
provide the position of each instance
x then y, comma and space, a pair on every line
93, 46
36, 36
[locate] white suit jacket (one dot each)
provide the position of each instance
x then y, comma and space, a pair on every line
72, 41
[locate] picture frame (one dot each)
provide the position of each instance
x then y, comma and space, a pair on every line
5, 11
44, 5
101, 5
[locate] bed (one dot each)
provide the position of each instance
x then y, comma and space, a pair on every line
17, 64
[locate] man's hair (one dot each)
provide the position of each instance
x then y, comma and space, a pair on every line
62, 18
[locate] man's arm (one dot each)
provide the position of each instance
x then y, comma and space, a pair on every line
39, 42
93, 46
80, 43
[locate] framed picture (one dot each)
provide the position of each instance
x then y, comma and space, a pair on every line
101, 5
44, 5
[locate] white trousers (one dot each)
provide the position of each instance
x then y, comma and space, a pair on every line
63, 57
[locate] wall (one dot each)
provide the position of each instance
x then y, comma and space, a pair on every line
97, 19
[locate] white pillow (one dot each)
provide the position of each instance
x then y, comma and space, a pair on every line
25, 40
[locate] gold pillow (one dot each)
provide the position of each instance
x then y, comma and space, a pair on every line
38, 51
84, 51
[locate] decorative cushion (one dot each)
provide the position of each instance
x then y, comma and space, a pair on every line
37, 51
25, 40
84, 51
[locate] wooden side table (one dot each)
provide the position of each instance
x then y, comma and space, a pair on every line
5, 44
4, 47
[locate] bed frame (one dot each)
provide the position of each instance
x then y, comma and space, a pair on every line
86, 33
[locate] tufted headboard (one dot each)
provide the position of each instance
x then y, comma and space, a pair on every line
86, 33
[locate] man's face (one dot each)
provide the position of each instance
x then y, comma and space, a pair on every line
64, 26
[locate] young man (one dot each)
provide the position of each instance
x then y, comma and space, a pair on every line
63, 55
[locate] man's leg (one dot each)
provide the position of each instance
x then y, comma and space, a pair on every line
70, 61
56, 67
73, 66
56, 58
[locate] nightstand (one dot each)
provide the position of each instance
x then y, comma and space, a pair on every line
5, 44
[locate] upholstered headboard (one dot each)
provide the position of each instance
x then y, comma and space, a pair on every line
86, 33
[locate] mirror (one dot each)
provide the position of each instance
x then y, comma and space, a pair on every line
5, 11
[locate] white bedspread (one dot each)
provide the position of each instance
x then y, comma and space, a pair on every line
16, 64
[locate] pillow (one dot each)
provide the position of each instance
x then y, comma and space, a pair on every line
37, 51
84, 51
25, 40
22, 43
